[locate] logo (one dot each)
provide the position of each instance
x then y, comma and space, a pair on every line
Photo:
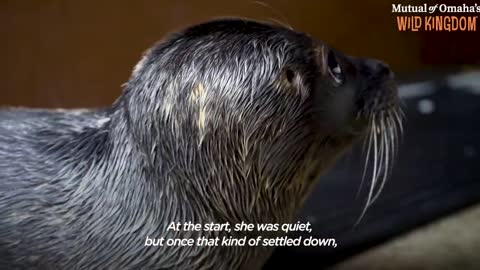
439, 17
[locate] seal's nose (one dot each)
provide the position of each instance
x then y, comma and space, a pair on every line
379, 68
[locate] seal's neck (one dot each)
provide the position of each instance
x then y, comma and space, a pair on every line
196, 181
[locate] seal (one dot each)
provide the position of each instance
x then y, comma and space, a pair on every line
227, 121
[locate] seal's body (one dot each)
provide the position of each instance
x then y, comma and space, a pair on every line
226, 121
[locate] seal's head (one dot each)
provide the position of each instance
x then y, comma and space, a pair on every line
239, 117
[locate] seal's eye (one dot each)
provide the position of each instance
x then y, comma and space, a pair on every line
334, 68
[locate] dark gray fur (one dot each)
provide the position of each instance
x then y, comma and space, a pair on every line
226, 121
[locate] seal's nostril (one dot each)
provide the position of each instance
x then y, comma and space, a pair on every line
380, 68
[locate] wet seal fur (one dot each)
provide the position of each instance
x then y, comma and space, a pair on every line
227, 121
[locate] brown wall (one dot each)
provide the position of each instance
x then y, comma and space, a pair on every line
77, 53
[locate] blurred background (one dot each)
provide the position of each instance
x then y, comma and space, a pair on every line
69, 54
73, 53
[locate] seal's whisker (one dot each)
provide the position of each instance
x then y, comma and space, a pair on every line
368, 138
393, 142
401, 112
397, 134
391, 137
402, 117
380, 153
375, 169
399, 120
393, 125
381, 132
385, 158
